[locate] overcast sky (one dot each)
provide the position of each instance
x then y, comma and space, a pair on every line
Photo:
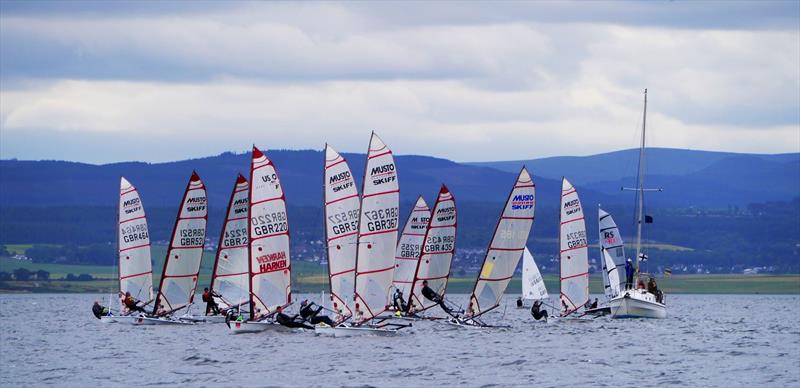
111, 81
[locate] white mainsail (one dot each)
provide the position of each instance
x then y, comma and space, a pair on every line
532, 282
574, 255
341, 230
269, 264
506, 246
133, 244
182, 263
610, 270
231, 277
611, 242
409, 247
377, 233
437, 252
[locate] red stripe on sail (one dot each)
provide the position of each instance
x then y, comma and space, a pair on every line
341, 199
138, 246
134, 275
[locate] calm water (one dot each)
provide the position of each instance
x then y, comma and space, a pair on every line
706, 341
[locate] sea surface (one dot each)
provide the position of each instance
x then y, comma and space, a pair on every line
707, 340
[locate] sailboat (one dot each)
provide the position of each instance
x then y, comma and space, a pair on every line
533, 287
436, 255
268, 248
377, 239
135, 270
639, 303
409, 247
574, 251
230, 277
341, 212
612, 250
504, 251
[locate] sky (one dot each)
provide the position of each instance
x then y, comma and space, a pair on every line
102, 82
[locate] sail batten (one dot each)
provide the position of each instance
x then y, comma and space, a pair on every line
133, 245
341, 213
436, 255
506, 246
268, 247
574, 261
230, 275
377, 232
182, 263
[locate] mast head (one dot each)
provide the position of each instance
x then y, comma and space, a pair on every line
256, 152
241, 179
194, 177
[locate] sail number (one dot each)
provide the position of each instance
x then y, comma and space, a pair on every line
381, 219
235, 237
576, 239
344, 222
267, 224
192, 237
134, 233
439, 243
409, 250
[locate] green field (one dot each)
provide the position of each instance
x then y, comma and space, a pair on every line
311, 277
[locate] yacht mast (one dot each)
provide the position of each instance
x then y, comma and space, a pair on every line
640, 189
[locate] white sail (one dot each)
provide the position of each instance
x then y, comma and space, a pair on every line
270, 276
409, 247
611, 241
506, 246
377, 233
231, 277
341, 230
437, 252
182, 263
610, 270
574, 254
532, 282
135, 268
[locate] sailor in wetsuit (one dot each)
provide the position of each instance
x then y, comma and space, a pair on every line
310, 315
398, 301
431, 295
537, 312
132, 304
288, 321
211, 304
99, 310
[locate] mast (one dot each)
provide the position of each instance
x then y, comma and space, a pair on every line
640, 189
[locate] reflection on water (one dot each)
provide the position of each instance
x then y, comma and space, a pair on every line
707, 340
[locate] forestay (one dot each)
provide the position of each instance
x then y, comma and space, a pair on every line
377, 236
532, 282
610, 269
230, 277
270, 276
409, 247
437, 252
133, 244
506, 246
341, 230
611, 241
574, 251
182, 263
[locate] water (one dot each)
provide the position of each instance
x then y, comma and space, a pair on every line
708, 340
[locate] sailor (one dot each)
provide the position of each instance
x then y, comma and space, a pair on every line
628, 274
519, 302
99, 310
398, 301
640, 284
537, 312
288, 321
211, 305
310, 315
651, 286
594, 304
431, 295
132, 304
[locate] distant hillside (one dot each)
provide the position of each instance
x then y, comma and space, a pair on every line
688, 177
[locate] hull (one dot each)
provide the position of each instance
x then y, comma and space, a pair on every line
257, 327
637, 304
343, 331
203, 318
108, 319
148, 321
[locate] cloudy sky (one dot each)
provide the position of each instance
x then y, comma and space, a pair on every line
103, 82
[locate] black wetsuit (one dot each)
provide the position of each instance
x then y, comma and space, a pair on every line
211, 305
311, 315
399, 303
288, 321
537, 312
519, 303
99, 311
431, 295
